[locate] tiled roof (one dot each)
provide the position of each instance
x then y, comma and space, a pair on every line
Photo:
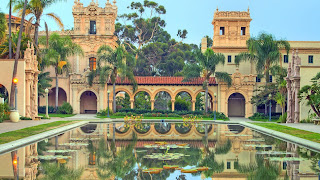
15, 18
150, 80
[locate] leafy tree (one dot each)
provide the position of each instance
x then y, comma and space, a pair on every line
3, 26
264, 50
142, 100
182, 102
123, 102
205, 66
161, 100
56, 55
35, 9
4, 48
145, 24
44, 80
113, 64
15, 67
311, 93
199, 102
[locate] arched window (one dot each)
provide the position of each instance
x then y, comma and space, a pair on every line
92, 63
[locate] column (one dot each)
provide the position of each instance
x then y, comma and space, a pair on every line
77, 64
172, 104
289, 110
297, 104
101, 99
132, 103
152, 104
193, 105
74, 100
28, 112
36, 93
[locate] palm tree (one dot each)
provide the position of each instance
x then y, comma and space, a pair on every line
114, 63
56, 54
3, 26
4, 48
35, 8
264, 50
44, 80
15, 67
205, 66
10, 45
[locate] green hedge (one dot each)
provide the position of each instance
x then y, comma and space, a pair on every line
256, 116
66, 108
4, 112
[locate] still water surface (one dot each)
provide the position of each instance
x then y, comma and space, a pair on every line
161, 151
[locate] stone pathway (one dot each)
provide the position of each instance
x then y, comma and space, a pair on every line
7, 126
83, 117
239, 119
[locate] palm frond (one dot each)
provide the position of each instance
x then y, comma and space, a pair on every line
57, 19
223, 76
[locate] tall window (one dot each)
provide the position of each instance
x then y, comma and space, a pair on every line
270, 78
229, 59
285, 59
92, 63
93, 29
243, 31
228, 165
310, 59
221, 30
258, 79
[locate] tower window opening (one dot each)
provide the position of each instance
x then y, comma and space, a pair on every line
222, 31
93, 29
92, 63
243, 31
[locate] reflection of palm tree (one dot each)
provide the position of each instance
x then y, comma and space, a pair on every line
54, 171
113, 163
260, 170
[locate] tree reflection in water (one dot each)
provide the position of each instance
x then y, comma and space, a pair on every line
113, 163
260, 170
57, 171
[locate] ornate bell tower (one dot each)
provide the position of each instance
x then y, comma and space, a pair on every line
94, 20
231, 28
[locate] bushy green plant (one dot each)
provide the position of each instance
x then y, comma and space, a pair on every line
25, 118
283, 118
42, 109
105, 112
66, 108
4, 112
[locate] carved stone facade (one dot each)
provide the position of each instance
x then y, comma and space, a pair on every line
293, 87
31, 84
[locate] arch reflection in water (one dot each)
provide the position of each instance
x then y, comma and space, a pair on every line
89, 128
162, 127
183, 128
201, 128
142, 128
236, 129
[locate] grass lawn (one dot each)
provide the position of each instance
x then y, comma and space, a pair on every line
58, 115
117, 117
26, 132
315, 137
265, 120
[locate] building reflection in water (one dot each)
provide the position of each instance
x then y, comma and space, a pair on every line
104, 151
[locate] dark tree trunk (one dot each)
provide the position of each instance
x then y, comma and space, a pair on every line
10, 43
15, 67
206, 98
114, 98
36, 32
57, 92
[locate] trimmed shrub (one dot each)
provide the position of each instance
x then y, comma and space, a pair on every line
283, 118
66, 108
42, 109
105, 112
4, 112
25, 118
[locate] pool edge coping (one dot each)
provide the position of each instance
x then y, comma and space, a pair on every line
14, 145
283, 136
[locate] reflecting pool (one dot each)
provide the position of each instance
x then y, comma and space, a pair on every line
158, 151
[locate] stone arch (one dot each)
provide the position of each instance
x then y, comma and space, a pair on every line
162, 103
52, 96
144, 106
211, 95
4, 92
236, 105
141, 90
162, 90
126, 102
184, 90
91, 104
89, 128
192, 101
124, 90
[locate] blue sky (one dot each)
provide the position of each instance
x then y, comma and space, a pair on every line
287, 19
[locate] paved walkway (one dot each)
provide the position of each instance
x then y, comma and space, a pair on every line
304, 126
7, 126
83, 117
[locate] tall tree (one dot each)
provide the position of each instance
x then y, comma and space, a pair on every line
113, 64
10, 45
15, 67
205, 66
35, 8
4, 47
3, 26
59, 49
264, 50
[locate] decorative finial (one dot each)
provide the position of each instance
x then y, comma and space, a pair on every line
248, 9
97, 2
114, 2
217, 9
